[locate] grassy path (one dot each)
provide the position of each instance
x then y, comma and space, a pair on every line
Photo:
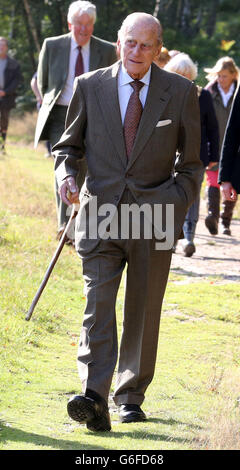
193, 401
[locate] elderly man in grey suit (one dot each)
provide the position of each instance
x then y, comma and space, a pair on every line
61, 59
129, 120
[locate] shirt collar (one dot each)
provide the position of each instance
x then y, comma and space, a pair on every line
74, 45
230, 91
125, 79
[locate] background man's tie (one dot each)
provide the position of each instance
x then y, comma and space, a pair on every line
133, 116
79, 63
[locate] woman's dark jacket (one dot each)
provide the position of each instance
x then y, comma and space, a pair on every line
209, 151
229, 167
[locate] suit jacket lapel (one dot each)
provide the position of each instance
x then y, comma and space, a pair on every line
107, 95
64, 56
95, 55
157, 99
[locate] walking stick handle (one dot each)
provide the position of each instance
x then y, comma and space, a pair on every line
52, 263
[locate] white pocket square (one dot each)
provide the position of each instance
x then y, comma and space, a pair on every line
164, 123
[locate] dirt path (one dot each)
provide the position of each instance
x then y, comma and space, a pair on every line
215, 255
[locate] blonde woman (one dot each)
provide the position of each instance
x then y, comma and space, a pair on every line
209, 150
223, 78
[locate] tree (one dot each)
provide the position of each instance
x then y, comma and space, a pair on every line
156, 8
197, 27
31, 24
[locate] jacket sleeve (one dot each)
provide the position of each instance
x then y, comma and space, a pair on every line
188, 163
71, 147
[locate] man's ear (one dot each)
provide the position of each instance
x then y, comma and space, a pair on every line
69, 27
158, 50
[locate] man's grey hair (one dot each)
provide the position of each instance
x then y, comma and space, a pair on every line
79, 7
145, 16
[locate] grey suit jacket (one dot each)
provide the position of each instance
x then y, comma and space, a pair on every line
53, 71
170, 123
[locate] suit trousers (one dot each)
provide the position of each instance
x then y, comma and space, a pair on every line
147, 272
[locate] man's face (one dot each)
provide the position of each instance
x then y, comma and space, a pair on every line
138, 47
82, 28
3, 48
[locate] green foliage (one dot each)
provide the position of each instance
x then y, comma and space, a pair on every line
197, 28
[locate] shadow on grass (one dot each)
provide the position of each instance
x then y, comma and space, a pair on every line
10, 435
171, 421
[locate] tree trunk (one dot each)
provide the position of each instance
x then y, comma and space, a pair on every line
29, 35
156, 9
186, 14
179, 9
211, 23
198, 20
32, 24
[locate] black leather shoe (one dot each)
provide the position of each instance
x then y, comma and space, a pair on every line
91, 411
131, 414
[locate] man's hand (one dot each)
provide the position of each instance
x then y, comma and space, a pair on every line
69, 191
229, 193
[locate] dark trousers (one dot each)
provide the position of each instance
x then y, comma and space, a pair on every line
4, 118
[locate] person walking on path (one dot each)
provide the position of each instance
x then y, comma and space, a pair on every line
223, 78
129, 120
10, 77
209, 150
61, 59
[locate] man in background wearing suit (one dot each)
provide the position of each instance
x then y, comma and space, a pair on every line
60, 60
10, 77
129, 120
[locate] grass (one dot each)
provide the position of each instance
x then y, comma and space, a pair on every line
193, 401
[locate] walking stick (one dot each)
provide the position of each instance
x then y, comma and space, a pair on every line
52, 263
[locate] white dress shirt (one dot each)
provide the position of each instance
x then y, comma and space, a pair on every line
125, 90
226, 96
67, 92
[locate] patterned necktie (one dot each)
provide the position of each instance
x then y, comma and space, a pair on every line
79, 63
133, 116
